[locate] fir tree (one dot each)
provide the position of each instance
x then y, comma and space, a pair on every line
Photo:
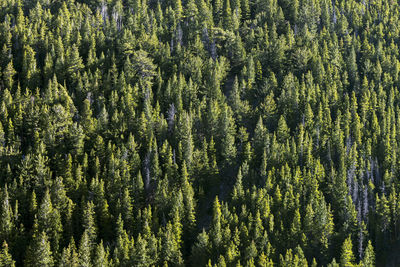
39, 252
5, 258
347, 256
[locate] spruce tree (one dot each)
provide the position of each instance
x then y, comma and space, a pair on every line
347, 257
39, 252
6, 258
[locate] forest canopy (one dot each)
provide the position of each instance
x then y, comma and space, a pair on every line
199, 132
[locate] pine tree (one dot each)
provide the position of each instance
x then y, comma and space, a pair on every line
238, 191
29, 68
143, 64
5, 258
85, 250
245, 9
228, 149
87, 119
216, 232
49, 221
126, 207
8, 75
260, 138
178, 9
69, 256
39, 252
141, 257
74, 60
89, 224
101, 256
185, 130
188, 195
227, 15
347, 256
369, 256
201, 249
6, 220
282, 130
217, 11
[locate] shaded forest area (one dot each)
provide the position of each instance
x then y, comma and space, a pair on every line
199, 132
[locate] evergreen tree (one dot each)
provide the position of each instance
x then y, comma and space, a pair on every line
101, 256
89, 224
6, 220
121, 120
39, 252
369, 256
228, 149
347, 256
49, 221
5, 258
85, 249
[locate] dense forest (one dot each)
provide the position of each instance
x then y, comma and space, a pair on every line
199, 132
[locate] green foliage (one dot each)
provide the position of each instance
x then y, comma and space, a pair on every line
121, 122
369, 256
347, 256
39, 252
5, 258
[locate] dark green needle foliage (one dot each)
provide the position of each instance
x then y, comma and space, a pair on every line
199, 133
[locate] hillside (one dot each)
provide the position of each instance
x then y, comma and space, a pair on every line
199, 133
